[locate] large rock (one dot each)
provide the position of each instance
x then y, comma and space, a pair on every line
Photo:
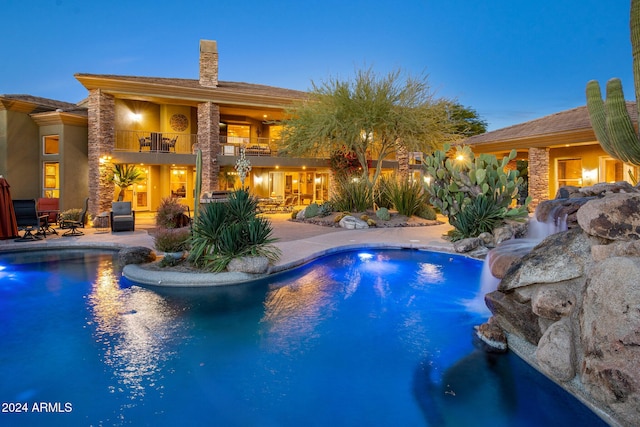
553, 303
135, 255
350, 222
249, 264
514, 317
615, 217
610, 329
556, 353
466, 245
561, 209
559, 257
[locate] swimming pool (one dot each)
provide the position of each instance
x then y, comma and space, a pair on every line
377, 338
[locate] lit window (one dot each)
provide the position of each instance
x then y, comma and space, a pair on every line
51, 144
51, 184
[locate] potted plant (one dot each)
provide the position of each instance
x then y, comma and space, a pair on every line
172, 241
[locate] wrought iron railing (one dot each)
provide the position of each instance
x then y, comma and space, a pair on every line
145, 141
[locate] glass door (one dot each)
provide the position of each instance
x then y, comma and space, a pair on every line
141, 191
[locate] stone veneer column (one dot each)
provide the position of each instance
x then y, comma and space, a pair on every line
101, 143
208, 63
209, 143
538, 175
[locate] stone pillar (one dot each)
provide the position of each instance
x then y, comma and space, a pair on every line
208, 63
209, 143
538, 176
101, 122
402, 155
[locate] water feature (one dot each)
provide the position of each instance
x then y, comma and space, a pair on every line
356, 338
512, 249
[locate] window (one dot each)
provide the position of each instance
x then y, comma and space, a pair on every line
569, 172
178, 182
51, 175
238, 134
51, 144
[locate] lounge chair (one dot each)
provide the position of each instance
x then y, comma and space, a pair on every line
27, 219
122, 217
73, 225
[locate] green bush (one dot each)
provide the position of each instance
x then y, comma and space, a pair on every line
172, 239
427, 212
312, 210
352, 195
407, 197
383, 214
228, 230
170, 213
325, 209
481, 215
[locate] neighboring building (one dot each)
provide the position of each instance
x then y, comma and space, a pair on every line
43, 149
561, 149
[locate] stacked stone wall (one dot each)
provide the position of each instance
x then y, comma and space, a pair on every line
538, 175
209, 143
101, 125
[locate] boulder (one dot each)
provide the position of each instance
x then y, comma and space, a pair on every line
466, 245
553, 303
135, 255
615, 217
610, 333
492, 337
513, 316
559, 257
620, 248
556, 353
351, 223
249, 264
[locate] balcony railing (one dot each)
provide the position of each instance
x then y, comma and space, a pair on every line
231, 146
160, 142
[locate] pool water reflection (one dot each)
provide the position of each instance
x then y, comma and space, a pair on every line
356, 338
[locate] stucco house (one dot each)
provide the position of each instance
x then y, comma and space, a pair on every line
561, 149
43, 148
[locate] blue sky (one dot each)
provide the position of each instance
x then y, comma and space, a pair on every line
510, 60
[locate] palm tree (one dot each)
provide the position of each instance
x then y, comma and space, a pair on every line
124, 176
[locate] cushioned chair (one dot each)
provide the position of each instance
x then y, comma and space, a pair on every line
73, 225
27, 219
122, 217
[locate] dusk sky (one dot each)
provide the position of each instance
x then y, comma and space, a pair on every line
510, 60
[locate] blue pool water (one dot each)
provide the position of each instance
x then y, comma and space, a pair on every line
361, 338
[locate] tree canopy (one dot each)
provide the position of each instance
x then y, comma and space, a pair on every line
466, 121
370, 116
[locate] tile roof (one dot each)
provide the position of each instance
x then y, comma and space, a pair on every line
236, 87
566, 121
44, 104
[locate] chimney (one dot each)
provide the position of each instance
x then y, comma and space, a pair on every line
208, 63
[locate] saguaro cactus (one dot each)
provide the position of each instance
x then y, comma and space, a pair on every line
610, 119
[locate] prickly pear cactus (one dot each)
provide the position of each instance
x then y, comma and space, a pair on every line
457, 177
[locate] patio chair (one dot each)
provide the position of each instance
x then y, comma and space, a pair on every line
172, 144
144, 142
49, 206
122, 217
27, 219
73, 225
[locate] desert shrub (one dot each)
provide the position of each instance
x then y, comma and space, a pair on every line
169, 261
382, 192
223, 231
427, 212
71, 215
383, 214
481, 215
352, 195
170, 214
371, 222
407, 197
325, 209
312, 210
364, 217
172, 239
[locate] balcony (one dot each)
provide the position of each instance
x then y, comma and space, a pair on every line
257, 147
154, 142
